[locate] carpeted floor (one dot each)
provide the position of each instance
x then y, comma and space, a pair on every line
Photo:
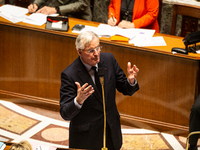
44, 127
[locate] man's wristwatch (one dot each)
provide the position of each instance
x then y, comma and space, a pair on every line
57, 9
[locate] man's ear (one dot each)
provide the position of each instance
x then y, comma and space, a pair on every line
79, 51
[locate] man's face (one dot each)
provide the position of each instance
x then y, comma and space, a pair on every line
91, 54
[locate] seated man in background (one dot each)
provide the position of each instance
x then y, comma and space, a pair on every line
194, 124
100, 10
134, 14
71, 8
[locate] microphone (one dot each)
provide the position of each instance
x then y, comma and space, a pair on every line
101, 78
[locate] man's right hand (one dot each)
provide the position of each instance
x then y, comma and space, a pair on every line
112, 21
83, 92
32, 8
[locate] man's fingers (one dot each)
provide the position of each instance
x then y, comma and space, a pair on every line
128, 66
84, 86
39, 11
88, 88
90, 92
78, 85
135, 68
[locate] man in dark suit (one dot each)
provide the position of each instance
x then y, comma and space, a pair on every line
194, 124
81, 102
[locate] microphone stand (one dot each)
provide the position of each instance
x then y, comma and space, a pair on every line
101, 73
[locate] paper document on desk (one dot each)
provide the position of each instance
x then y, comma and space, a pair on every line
37, 18
198, 51
12, 18
12, 9
13, 13
105, 30
86, 28
135, 33
108, 31
144, 33
151, 41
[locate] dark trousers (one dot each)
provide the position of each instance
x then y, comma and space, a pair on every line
95, 144
109, 142
194, 122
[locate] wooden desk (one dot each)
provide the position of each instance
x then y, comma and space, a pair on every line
33, 58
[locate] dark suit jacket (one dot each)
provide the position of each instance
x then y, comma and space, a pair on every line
86, 125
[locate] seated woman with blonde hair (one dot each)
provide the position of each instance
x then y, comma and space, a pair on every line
23, 145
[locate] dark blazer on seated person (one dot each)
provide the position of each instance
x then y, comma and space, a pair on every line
71, 8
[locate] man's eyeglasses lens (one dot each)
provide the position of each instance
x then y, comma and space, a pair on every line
98, 49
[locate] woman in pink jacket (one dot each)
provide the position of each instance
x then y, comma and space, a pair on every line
134, 14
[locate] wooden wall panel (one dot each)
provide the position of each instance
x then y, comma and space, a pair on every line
167, 85
32, 62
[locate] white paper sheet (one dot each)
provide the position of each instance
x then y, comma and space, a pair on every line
13, 13
16, 14
198, 51
14, 10
107, 30
11, 17
36, 19
151, 41
87, 28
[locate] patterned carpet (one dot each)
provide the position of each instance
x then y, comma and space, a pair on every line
18, 123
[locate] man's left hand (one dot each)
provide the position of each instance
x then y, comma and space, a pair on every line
47, 10
132, 73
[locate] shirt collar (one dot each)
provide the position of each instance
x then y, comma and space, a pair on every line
88, 67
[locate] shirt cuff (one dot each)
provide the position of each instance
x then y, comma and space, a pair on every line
135, 82
77, 104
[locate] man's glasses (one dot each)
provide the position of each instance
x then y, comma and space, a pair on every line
97, 49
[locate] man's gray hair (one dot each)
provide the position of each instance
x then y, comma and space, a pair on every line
84, 39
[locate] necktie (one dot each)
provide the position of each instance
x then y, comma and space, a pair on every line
97, 82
